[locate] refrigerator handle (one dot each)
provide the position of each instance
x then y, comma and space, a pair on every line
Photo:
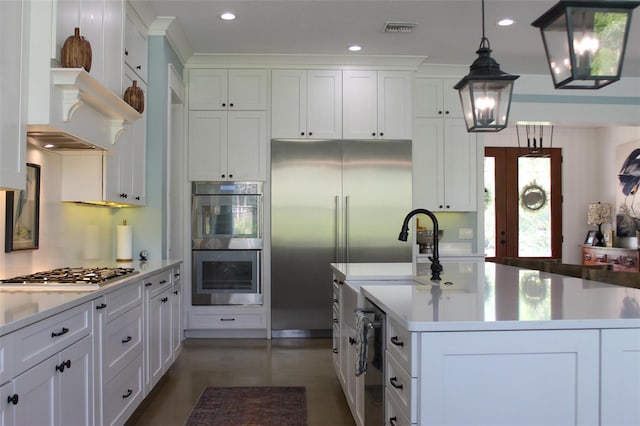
336, 233
346, 228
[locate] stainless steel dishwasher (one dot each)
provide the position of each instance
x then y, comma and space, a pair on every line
374, 376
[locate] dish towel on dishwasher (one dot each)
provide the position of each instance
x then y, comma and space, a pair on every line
363, 324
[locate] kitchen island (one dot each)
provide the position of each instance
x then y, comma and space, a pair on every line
495, 344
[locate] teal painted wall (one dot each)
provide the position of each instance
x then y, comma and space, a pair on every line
149, 222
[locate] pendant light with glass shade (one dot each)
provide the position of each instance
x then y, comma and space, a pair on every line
585, 41
485, 93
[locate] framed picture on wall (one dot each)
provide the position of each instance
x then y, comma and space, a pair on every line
590, 238
22, 219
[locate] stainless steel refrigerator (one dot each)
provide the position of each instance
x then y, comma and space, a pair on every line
331, 201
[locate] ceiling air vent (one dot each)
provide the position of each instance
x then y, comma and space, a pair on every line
399, 27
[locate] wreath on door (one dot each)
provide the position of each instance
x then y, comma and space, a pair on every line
533, 197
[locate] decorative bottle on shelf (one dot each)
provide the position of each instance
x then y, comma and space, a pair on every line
76, 52
134, 96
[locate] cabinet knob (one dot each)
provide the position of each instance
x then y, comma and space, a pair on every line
223, 176
224, 104
373, 133
448, 206
230, 176
301, 133
13, 399
231, 105
139, 67
126, 52
381, 133
440, 112
175, 292
310, 133
446, 113
440, 206
138, 198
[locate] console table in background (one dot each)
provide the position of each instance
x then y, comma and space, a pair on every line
622, 259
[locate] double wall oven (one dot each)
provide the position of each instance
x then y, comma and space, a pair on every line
226, 243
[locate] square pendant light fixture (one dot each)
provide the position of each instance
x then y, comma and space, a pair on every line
585, 41
485, 93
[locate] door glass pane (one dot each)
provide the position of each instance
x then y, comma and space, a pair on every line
534, 199
489, 206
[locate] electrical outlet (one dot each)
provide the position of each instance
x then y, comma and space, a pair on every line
465, 233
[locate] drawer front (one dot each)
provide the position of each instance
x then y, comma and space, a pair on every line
394, 413
402, 386
401, 344
122, 342
122, 300
157, 283
123, 394
39, 341
226, 321
6, 370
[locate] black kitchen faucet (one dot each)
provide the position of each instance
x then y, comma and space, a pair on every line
436, 267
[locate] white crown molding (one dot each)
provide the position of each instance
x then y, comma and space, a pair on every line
304, 61
167, 27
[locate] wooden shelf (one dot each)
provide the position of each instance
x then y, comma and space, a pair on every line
622, 259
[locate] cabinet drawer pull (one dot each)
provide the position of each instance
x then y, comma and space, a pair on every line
127, 340
101, 306
64, 364
65, 330
13, 399
227, 319
148, 284
392, 420
163, 281
397, 342
335, 351
128, 394
352, 341
175, 292
394, 383
164, 299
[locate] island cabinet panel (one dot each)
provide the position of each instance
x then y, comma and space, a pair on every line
620, 377
510, 377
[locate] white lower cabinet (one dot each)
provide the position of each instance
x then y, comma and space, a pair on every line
176, 313
123, 393
620, 387
57, 391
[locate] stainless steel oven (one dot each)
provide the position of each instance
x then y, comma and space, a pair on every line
226, 216
227, 277
226, 242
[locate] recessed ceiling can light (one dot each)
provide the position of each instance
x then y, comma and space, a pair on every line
49, 145
355, 48
227, 16
505, 22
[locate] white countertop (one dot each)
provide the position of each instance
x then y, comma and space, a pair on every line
19, 308
373, 271
489, 296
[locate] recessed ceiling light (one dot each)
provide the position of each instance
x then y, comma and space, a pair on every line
227, 16
49, 145
505, 22
355, 48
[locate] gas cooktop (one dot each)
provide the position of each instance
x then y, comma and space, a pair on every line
67, 279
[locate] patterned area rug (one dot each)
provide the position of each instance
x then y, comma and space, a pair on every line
250, 406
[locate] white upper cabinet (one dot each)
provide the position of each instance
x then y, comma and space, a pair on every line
222, 89
306, 104
436, 97
377, 104
135, 44
445, 165
13, 95
227, 145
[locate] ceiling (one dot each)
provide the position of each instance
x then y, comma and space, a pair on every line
447, 32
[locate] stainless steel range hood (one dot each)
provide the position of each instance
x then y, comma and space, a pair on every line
77, 113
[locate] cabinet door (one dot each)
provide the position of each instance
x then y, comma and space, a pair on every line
394, 105
75, 390
459, 167
427, 158
176, 315
13, 84
36, 389
436, 98
207, 135
139, 158
247, 89
246, 147
288, 103
506, 373
324, 104
360, 105
620, 372
7, 407
451, 99
159, 335
208, 89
